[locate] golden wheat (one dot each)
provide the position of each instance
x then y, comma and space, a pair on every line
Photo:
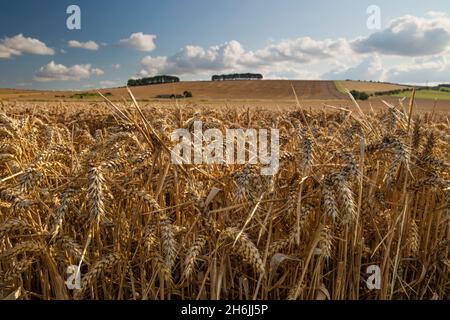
94, 186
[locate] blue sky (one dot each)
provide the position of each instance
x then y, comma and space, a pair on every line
284, 39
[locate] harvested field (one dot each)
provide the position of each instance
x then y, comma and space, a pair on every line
93, 185
368, 86
243, 89
440, 95
230, 90
264, 93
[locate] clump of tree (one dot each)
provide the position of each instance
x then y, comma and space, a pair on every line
359, 95
237, 76
169, 96
392, 92
152, 80
186, 94
440, 87
83, 95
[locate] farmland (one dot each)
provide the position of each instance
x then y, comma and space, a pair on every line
367, 86
242, 89
441, 95
212, 159
92, 184
266, 93
212, 90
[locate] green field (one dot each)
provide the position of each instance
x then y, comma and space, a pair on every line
427, 94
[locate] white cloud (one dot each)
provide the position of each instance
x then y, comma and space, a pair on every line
23, 84
97, 71
108, 84
89, 45
420, 71
417, 71
19, 44
59, 72
370, 68
285, 56
386, 55
303, 50
409, 36
6, 52
140, 41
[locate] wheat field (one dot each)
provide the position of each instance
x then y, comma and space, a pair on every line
92, 185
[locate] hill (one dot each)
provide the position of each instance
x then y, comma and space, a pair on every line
367, 86
240, 89
230, 90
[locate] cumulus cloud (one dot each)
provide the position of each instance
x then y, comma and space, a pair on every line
391, 54
409, 36
370, 68
59, 72
140, 41
19, 44
154, 65
23, 84
366, 58
97, 71
116, 66
6, 52
231, 56
107, 84
303, 50
420, 71
89, 45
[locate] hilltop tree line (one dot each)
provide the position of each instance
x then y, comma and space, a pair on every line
237, 76
152, 80
392, 92
359, 95
170, 79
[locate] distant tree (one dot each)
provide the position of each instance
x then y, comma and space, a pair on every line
187, 94
237, 76
363, 96
152, 80
359, 95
